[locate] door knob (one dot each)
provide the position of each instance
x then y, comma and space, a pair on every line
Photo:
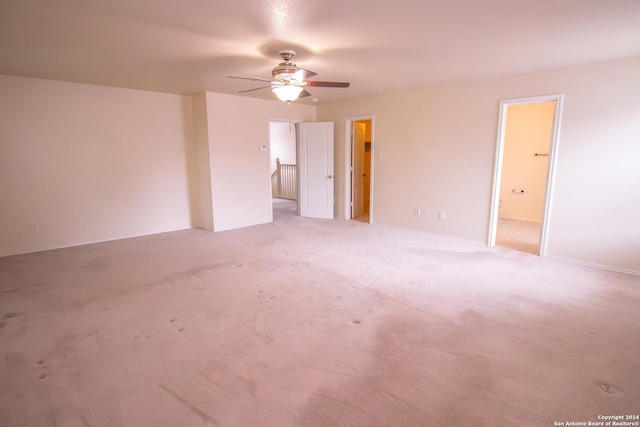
330, 176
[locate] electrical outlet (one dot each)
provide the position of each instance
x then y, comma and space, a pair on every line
443, 215
417, 212
34, 226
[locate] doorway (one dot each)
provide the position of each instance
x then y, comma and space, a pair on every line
283, 168
524, 171
301, 169
359, 149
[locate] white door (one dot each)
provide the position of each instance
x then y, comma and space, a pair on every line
315, 167
357, 169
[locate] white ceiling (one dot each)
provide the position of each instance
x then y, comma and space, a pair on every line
189, 46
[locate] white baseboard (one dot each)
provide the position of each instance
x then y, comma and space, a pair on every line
594, 265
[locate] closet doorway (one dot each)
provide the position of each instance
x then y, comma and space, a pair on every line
523, 175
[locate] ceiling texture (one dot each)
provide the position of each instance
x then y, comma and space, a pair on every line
190, 46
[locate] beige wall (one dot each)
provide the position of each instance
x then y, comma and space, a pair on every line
240, 178
90, 163
435, 149
524, 175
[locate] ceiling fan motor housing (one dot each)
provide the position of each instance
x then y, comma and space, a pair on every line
285, 70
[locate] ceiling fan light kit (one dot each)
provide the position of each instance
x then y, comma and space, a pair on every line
287, 93
289, 79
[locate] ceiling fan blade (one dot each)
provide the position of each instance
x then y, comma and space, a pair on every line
327, 84
302, 75
253, 79
251, 90
304, 94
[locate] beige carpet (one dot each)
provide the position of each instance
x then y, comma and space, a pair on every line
519, 235
312, 323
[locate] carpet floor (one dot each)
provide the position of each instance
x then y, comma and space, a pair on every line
519, 235
312, 323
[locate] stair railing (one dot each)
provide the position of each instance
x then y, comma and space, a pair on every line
284, 181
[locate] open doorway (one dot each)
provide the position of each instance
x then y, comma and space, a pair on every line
523, 176
283, 168
359, 168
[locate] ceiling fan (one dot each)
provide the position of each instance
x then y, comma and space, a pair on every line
289, 80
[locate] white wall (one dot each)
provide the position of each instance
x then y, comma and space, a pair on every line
91, 163
438, 148
240, 178
524, 175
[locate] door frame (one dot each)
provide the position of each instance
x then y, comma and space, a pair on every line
551, 166
347, 164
